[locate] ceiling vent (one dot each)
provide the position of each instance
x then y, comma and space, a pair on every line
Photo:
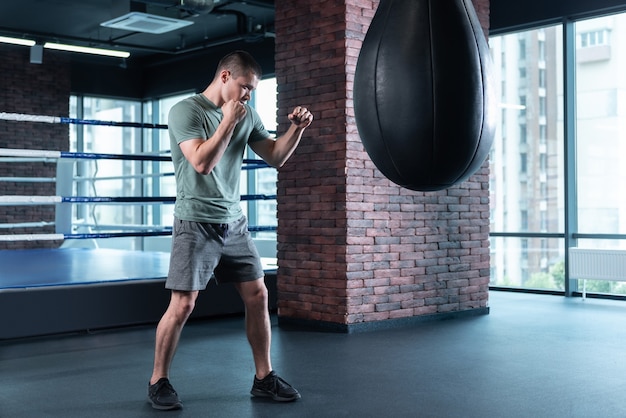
147, 23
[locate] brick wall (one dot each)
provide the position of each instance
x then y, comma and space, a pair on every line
37, 90
354, 248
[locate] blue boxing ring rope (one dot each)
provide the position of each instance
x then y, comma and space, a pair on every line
19, 155
78, 286
51, 200
22, 155
20, 117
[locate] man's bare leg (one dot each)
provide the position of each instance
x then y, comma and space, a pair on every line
258, 329
169, 330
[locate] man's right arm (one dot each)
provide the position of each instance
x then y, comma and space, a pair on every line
203, 155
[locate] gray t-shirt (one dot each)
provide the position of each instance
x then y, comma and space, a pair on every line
214, 197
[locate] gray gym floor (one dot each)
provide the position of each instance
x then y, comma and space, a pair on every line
532, 356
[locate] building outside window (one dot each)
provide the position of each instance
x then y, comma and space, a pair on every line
528, 220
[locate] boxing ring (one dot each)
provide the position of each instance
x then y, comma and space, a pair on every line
79, 286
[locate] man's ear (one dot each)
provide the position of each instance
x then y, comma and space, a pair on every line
224, 75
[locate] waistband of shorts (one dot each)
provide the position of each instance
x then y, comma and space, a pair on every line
218, 224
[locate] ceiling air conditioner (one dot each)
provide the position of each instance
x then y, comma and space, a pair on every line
147, 23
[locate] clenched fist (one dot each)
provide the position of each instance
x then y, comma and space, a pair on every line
301, 117
234, 110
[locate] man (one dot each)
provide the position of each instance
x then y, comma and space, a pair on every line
209, 133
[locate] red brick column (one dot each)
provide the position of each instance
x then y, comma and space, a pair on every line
354, 249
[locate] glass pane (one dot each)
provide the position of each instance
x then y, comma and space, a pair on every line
265, 102
601, 124
108, 178
167, 186
263, 181
526, 161
530, 263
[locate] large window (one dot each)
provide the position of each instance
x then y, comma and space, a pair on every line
601, 125
262, 212
150, 179
103, 178
553, 188
601, 138
527, 161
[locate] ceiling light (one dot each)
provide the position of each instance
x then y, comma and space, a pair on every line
147, 23
87, 50
17, 41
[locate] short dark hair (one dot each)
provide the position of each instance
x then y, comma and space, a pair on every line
239, 63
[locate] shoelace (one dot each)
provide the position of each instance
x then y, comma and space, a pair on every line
280, 384
165, 387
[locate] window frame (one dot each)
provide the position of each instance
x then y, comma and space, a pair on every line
569, 235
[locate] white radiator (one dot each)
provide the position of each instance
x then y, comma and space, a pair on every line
590, 264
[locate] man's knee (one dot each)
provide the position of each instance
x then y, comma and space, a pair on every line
182, 304
261, 293
254, 293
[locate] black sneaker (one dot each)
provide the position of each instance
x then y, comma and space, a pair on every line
163, 396
274, 387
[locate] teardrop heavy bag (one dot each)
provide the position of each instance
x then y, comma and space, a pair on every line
423, 99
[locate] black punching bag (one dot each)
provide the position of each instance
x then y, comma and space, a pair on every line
423, 101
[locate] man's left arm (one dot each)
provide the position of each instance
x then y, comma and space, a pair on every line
277, 152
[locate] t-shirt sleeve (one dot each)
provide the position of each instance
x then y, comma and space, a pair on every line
259, 132
185, 122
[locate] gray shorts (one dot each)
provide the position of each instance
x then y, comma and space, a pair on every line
202, 250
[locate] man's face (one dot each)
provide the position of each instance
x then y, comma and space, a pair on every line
240, 88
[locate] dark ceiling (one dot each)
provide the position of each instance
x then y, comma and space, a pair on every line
215, 23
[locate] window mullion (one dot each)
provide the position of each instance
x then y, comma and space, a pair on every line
569, 143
